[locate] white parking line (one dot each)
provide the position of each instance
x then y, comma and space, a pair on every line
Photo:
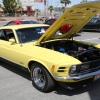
90, 39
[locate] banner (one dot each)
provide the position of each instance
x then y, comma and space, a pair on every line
38, 0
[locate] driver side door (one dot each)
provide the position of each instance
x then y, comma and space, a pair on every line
7, 49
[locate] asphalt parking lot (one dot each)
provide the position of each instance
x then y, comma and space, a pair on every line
16, 84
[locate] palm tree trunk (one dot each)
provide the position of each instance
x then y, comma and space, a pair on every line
37, 15
51, 14
65, 6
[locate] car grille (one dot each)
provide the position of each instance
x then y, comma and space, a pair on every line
93, 66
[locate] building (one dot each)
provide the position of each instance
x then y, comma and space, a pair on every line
58, 11
27, 5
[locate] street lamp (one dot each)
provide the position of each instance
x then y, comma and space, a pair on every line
47, 4
15, 4
44, 9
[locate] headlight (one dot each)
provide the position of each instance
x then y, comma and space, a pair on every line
73, 69
76, 69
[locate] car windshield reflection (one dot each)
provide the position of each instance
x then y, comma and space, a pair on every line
30, 34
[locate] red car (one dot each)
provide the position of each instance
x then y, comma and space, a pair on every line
17, 22
50, 21
62, 29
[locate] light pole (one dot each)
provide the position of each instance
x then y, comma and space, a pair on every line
15, 4
56, 4
47, 4
44, 9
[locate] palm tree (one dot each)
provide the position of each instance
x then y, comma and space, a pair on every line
0, 6
63, 9
65, 2
84, 1
19, 7
37, 11
51, 8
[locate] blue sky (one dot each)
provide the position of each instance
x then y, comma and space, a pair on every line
53, 2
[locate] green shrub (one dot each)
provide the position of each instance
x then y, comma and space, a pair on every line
28, 14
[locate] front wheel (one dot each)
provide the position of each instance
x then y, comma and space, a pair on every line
41, 79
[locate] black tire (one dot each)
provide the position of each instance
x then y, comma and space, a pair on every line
41, 79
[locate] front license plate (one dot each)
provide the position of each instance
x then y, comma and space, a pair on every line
96, 77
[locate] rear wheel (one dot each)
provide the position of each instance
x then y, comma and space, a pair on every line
41, 79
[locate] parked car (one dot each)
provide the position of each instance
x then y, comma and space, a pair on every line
16, 22
51, 57
93, 24
50, 21
62, 29
42, 18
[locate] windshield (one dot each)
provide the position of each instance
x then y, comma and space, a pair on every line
30, 34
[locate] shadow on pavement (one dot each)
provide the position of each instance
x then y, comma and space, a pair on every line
91, 31
93, 90
15, 70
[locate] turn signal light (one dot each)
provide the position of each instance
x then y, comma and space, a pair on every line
53, 67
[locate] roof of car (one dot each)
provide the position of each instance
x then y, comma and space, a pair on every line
26, 20
53, 18
15, 20
23, 20
22, 26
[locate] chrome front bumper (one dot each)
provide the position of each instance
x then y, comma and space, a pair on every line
76, 77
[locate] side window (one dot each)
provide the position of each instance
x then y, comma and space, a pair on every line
10, 34
2, 35
6, 34
50, 22
98, 21
47, 22
24, 22
10, 23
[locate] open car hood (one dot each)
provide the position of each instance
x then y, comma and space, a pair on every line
77, 16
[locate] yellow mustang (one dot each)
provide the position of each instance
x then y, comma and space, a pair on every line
51, 55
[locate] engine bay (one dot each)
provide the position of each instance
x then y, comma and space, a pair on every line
82, 52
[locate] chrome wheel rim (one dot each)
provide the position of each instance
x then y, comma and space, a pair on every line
39, 77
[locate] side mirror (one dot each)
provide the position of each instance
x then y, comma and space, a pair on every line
12, 41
